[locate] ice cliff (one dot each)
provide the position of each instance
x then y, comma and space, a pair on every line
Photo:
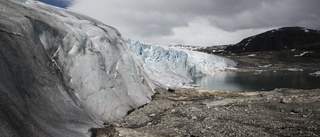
174, 67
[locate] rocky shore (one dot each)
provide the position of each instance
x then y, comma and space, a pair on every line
197, 112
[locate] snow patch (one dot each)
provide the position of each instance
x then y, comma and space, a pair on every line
302, 54
259, 72
249, 41
317, 73
265, 66
252, 55
294, 69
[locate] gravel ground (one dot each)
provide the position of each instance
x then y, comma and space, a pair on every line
198, 113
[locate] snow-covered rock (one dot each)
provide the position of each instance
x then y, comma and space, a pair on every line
170, 66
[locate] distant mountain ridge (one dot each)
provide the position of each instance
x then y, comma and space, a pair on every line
279, 39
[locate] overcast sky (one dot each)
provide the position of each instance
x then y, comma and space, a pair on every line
199, 22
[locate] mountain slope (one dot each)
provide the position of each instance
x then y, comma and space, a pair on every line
279, 39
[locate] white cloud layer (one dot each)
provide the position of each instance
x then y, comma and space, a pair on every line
199, 22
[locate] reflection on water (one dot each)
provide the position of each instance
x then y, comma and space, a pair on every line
259, 81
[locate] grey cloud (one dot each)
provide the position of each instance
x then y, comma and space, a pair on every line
146, 18
153, 23
227, 14
275, 14
202, 7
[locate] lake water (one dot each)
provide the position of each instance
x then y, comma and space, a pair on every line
259, 80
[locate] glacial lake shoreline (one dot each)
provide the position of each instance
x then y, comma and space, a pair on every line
260, 80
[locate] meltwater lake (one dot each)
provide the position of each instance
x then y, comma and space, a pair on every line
260, 80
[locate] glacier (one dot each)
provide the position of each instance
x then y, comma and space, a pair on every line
63, 73
174, 67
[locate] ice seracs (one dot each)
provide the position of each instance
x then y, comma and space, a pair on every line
170, 66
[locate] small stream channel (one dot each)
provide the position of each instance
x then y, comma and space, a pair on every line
259, 80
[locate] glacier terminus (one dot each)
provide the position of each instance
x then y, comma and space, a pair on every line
174, 67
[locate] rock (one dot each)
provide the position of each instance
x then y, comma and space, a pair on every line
103, 132
126, 132
195, 109
220, 102
297, 110
286, 100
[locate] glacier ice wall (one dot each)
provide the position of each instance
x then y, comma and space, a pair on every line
63, 73
169, 66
